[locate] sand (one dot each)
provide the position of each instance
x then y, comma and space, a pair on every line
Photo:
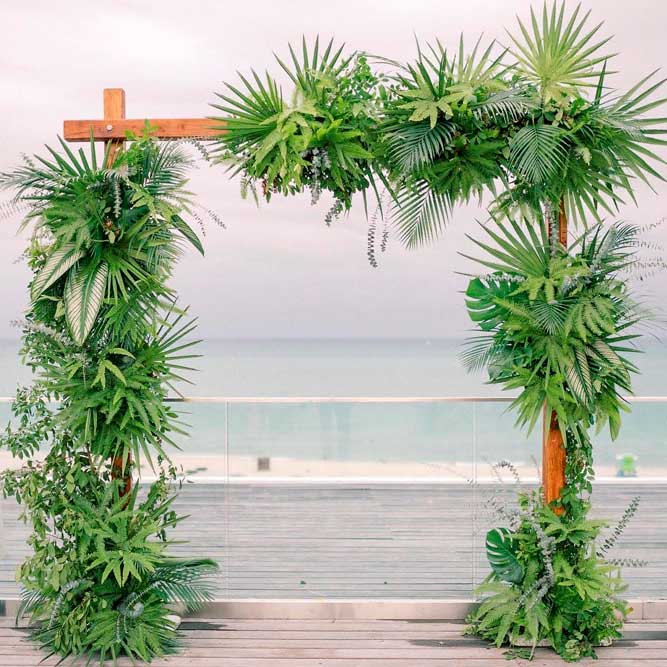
217, 467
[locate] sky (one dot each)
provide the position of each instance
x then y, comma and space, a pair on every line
276, 271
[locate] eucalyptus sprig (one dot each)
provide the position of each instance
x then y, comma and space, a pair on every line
557, 325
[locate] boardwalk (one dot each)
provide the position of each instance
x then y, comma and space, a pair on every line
236, 643
362, 540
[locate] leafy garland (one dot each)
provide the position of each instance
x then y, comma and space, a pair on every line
532, 125
106, 339
556, 326
546, 130
322, 139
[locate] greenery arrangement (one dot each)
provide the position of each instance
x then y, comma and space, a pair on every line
557, 325
106, 339
544, 132
548, 140
321, 140
535, 126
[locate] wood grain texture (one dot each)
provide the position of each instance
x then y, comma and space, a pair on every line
261, 643
553, 459
361, 540
115, 127
114, 107
553, 452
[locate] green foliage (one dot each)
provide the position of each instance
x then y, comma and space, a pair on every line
322, 139
531, 125
106, 341
443, 134
559, 54
534, 127
501, 553
556, 325
566, 596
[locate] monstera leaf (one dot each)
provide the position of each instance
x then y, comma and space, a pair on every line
500, 553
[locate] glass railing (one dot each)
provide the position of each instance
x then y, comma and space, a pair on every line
378, 497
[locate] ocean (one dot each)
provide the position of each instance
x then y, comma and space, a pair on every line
389, 432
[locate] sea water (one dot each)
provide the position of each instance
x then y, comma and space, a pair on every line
362, 431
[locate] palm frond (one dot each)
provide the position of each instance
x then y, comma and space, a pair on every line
420, 214
538, 151
509, 106
190, 582
417, 144
559, 54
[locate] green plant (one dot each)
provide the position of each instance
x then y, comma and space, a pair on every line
556, 323
566, 594
322, 139
445, 134
106, 340
535, 127
556, 326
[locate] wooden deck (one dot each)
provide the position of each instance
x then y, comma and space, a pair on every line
249, 643
360, 540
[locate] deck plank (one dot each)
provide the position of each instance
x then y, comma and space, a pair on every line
240, 643
378, 540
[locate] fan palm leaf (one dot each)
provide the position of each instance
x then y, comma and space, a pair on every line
559, 54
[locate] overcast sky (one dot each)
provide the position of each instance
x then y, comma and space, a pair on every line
276, 271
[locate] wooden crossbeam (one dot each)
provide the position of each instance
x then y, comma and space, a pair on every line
114, 126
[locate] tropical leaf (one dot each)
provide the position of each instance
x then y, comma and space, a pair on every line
57, 264
605, 351
188, 582
188, 233
538, 151
550, 316
559, 54
83, 297
500, 552
417, 144
420, 214
510, 106
477, 353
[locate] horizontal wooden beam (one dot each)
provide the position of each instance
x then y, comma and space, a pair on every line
165, 128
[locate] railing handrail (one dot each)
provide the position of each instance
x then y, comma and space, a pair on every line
360, 399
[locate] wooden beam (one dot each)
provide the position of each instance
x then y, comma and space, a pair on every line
562, 224
116, 127
114, 107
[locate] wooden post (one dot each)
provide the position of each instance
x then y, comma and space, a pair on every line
112, 130
553, 448
114, 109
